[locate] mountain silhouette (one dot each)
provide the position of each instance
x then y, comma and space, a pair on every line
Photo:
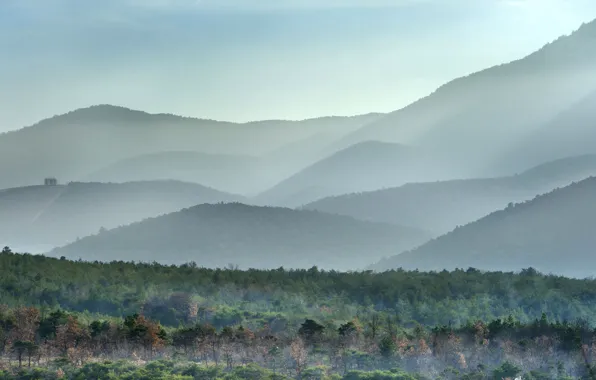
250, 237
571, 132
473, 121
552, 233
365, 166
72, 146
244, 174
441, 206
56, 215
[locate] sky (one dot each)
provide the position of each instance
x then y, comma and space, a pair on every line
243, 60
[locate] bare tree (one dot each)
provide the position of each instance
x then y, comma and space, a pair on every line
299, 353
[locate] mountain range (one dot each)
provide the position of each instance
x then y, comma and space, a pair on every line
473, 122
47, 216
495, 122
77, 145
246, 174
248, 237
364, 166
443, 161
552, 233
441, 206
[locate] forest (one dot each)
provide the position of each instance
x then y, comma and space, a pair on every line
124, 320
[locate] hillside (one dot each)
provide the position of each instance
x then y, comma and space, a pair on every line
552, 233
365, 166
244, 174
441, 206
472, 121
56, 215
248, 236
76, 144
570, 132
491, 123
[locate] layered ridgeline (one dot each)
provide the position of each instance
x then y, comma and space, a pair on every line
491, 123
73, 146
364, 166
441, 206
223, 172
42, 216
569, 133
473, 122
250, 237
553, 233
473, 126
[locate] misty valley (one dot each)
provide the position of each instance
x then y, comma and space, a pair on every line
451, 238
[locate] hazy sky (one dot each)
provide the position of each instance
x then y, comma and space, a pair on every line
257, 59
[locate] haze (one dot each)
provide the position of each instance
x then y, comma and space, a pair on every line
252, 60
298, 189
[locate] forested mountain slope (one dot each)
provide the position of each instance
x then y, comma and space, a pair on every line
553, 232
250, 237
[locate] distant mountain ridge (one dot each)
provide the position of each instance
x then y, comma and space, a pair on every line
223, 172
57, 215
441, 206
494, 122
364, 166
490, 123
553, 233
74, 145
571, 132
471, 121
250, 237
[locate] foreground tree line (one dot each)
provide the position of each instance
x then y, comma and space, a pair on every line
123, 320
283, 297
41, 344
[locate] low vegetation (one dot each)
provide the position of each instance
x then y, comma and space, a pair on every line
79, 320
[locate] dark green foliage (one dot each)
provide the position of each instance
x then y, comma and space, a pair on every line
48, 326
446, 348
347, 329
380, 375
506, 370
164, 370
387, 347
276, 297
24, 349
311, 330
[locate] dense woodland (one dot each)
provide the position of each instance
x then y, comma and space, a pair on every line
283, 296
74, 319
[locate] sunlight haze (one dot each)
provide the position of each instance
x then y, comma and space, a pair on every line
242, 60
